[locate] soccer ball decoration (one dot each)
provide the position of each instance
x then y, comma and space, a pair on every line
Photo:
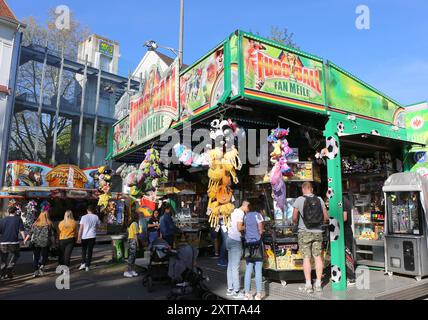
334, 229
375, 133
336, 273
332, 147
330, 193
340, 127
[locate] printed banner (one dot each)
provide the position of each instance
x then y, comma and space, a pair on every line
121, 140
153, 110
25, 173
281, 72
203, 85
34, 174
345, 93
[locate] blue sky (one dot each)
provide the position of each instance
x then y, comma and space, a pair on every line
392, 55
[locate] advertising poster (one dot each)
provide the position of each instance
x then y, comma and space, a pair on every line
26, 174
345, 93
280, 72
153, 110
203, 84
121, 140
417, 130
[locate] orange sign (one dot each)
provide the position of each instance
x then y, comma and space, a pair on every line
60, 176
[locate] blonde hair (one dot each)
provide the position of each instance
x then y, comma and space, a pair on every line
68, 217
43, 220
307, 185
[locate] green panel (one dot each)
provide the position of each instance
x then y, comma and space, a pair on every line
334, 174
364, 126
274, 69
234, 64
347, 93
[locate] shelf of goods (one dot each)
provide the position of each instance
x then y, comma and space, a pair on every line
282, 249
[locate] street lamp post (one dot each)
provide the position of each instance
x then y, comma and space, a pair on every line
180, 42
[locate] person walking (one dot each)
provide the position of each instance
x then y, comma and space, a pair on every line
234, 249
253, 222
309, 213
67, 238
10, 228
133, 246
153, 226
41, 235
87, 236
168, 229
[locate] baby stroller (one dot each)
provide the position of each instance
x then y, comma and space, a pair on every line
188, 279
157, 270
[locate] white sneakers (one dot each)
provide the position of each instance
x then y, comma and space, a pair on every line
238, 295
230, 292
130, 274
82, 266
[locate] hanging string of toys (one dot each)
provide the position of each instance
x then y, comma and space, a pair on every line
280, 169
223, 163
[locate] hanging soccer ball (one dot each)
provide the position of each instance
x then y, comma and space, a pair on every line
334, 229
336, 274
330, 193
332, 147
375, 133
340, 127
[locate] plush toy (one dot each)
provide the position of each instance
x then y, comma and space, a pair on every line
29, 214
280, 168
277, 134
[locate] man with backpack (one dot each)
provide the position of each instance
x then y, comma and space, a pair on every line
310, 213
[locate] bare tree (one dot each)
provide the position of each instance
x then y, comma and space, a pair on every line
26, 127
281, 35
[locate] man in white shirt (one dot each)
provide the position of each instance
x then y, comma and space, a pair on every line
87, 236
234, 249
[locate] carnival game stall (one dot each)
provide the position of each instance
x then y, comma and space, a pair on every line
33, 187
302, 118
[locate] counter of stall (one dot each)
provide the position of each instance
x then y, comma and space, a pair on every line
195, 228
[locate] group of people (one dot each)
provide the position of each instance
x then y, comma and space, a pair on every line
243, 238
156, 227
42, 236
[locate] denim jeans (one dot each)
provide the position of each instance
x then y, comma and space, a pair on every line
234, 249
223, 252
249, 272
9, 257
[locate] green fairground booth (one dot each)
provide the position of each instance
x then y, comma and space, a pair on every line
346, 138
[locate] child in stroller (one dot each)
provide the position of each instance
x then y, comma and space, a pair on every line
185, 274
177, 266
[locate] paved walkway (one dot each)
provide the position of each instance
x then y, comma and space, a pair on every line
382, 287
104, 281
